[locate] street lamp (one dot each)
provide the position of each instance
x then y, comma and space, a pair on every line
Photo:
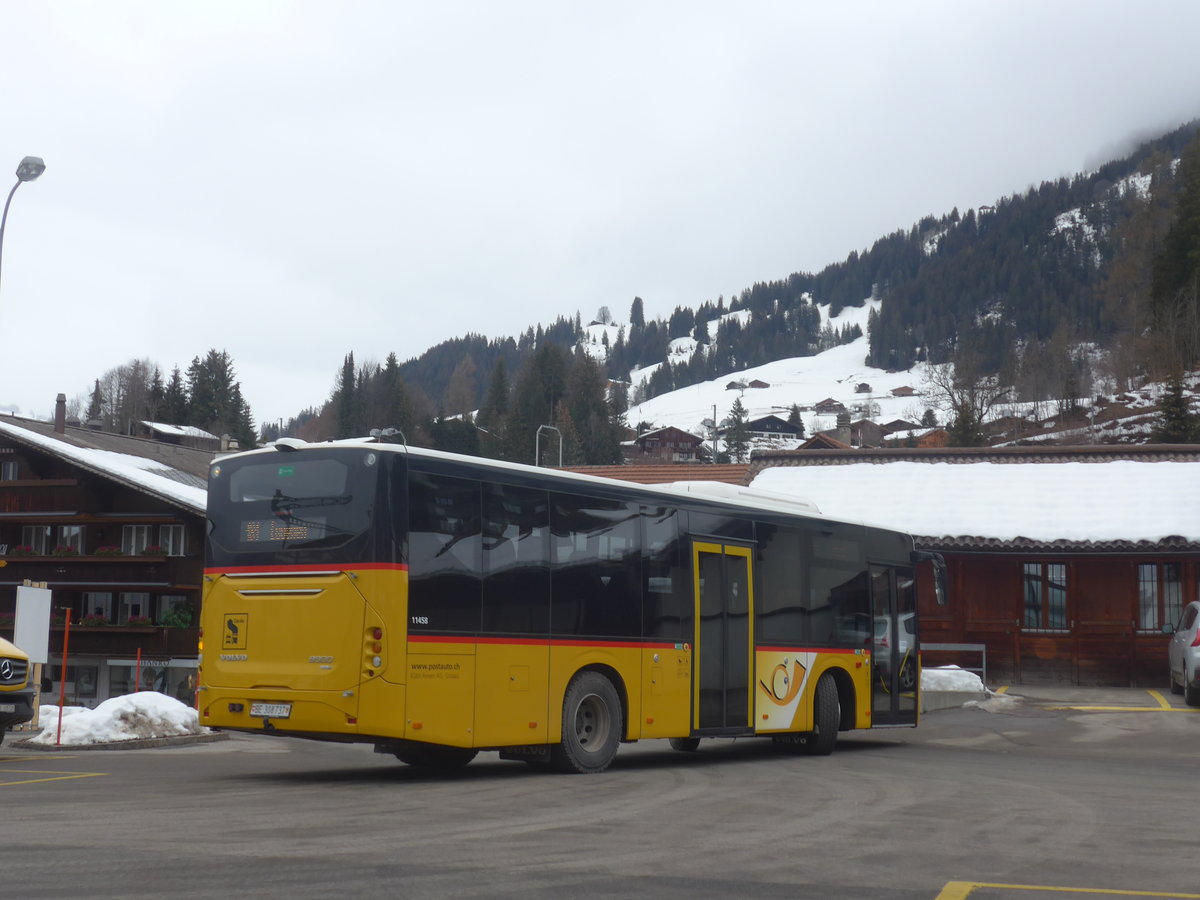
29, 170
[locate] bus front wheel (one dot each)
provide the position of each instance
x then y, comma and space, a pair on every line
591, 725
826, 717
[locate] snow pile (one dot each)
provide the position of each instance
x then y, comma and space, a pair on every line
951, 678
132, 717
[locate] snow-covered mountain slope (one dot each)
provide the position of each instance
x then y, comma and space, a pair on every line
838, 374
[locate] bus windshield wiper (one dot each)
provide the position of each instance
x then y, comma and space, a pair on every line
282, 503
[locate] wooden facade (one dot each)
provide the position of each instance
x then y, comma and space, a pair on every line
1112, 597
114, 536
1101, 640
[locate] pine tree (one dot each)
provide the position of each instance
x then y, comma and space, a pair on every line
215, 399
346, 400
1177, 423
737, 435
175, 400
637, 316
96, 404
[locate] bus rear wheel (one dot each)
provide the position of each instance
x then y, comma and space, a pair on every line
687, 744
591, 725
431, 756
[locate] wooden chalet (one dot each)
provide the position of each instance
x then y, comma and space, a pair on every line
668, 444
1065, 562
114, 526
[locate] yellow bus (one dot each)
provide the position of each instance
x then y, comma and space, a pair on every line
436, 605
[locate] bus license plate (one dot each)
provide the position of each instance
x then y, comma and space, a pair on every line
8, 707
270, 710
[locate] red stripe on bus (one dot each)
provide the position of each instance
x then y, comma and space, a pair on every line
445, 639
313, 567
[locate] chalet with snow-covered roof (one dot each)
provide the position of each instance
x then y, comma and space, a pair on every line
184, 435
772, 426
668, 444
758, 384
829, 406
114, 526
1064, 562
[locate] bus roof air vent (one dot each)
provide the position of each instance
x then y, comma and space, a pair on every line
289, 444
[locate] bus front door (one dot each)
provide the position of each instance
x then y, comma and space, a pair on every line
724, 599
895, 671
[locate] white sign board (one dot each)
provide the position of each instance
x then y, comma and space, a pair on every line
32, 630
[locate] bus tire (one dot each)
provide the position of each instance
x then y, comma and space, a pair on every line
591, 725
432, 756
826, 717
908, 674
686, 745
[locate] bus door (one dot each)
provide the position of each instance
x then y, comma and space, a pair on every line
724, 605
894, 666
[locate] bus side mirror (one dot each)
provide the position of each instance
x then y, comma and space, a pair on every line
939, 572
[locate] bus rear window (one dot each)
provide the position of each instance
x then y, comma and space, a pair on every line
291, 503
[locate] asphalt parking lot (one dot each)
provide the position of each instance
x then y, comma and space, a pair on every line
1038, 792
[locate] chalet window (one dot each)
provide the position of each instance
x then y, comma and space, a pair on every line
8, 470
71, 537
1046, 596
134, 604
171, 539
37, 537
97, 603
1160, 595
135, 539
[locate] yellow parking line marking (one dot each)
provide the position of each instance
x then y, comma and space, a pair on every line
52, 776
960, 890
1003, 689
1157, 709
1160, 699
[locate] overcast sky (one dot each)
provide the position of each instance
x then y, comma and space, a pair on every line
293, 181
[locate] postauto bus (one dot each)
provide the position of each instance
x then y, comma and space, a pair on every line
436, 605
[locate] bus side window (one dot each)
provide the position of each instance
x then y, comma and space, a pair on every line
516, 559
444, 552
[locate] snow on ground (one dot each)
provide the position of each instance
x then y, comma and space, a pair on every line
951, 678
131, 717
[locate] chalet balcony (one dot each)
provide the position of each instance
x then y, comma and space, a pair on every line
122, 640
47, 496
100, 572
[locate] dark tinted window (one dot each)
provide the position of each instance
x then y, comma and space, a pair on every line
444, 553
596, 580
666, 596
839, 599
516, 558
784, 559
318, 503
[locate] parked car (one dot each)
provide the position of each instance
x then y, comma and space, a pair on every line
883, 642
1183, 655
16, 693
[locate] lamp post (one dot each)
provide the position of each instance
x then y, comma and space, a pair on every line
29, 170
